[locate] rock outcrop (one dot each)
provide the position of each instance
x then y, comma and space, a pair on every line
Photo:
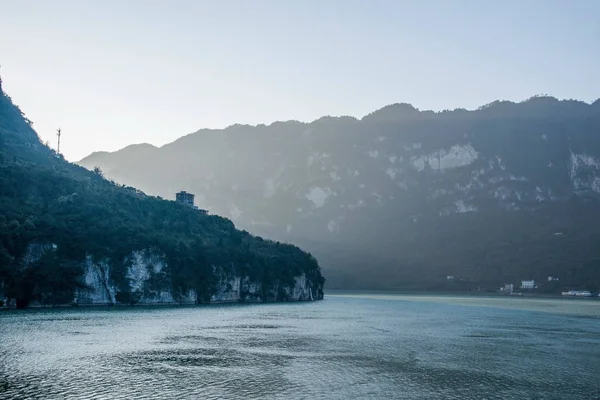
147, 281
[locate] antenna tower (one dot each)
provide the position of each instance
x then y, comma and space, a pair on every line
58, 134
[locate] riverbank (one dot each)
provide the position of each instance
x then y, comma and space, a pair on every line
459, 293
581, 307
157, 304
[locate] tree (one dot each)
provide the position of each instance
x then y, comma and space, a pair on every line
98, 171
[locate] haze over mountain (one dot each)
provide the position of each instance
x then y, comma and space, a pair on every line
403, 198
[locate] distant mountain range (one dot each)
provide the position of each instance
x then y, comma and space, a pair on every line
403, 198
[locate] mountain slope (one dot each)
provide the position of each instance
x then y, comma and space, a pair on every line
405, 197
70, 235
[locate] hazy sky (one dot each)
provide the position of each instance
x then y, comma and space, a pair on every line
112, 73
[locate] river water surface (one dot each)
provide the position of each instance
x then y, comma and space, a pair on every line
344, 347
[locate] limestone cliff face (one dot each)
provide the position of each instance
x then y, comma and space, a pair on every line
147, 281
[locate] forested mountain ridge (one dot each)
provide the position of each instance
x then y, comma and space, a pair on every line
68, 235
403, 198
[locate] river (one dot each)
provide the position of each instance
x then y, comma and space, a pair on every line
349, 346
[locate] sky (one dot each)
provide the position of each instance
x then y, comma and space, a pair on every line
111, 73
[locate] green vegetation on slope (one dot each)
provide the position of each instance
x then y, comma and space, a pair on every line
46, 200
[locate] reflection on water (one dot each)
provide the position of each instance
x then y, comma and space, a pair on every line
346, 347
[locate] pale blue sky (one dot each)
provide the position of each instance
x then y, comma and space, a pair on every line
112, 73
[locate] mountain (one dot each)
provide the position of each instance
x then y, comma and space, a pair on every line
126, 157
70, 236
404, 198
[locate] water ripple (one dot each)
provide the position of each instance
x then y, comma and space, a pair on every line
335, 349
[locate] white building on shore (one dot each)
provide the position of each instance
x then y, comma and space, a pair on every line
528, 284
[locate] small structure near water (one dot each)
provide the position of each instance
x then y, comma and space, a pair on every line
508, 288
577, 293
528, 284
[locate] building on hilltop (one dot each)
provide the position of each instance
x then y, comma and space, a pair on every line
186, 198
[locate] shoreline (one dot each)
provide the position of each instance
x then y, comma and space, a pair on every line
152, 305
341, 292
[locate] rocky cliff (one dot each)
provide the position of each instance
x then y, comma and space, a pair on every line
148, 282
